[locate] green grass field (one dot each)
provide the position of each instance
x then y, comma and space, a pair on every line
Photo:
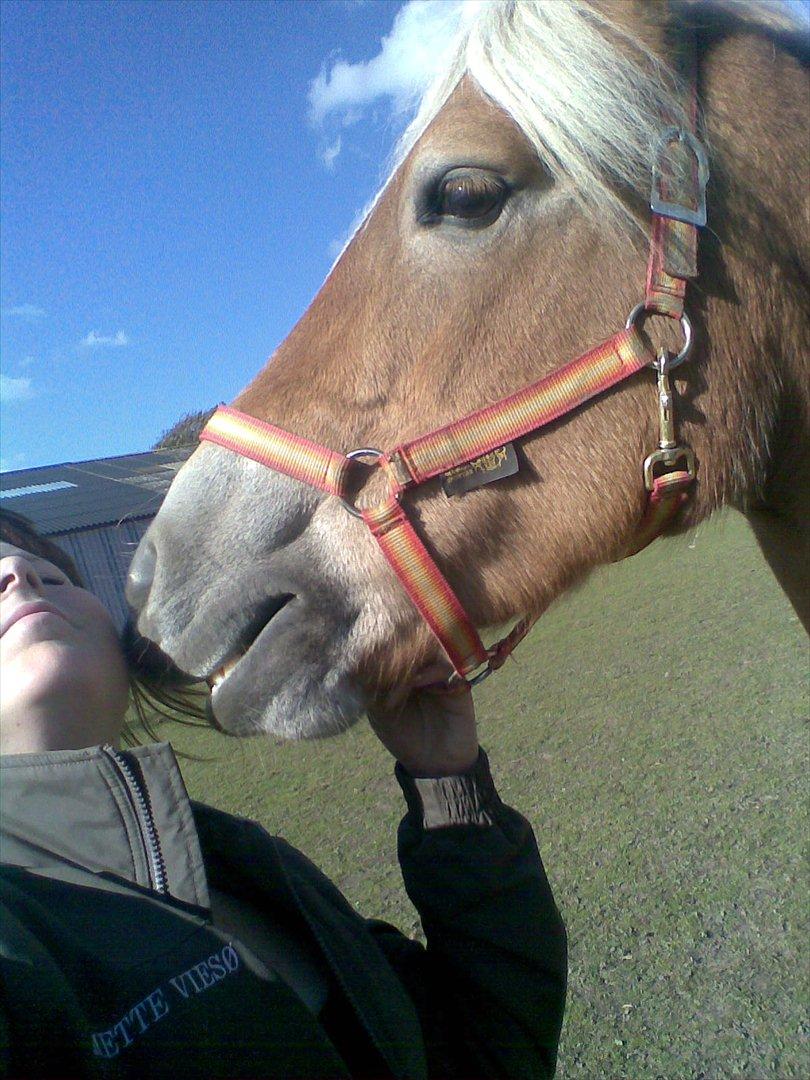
654, 729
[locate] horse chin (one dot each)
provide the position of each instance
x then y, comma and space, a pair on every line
286, 685
312, 704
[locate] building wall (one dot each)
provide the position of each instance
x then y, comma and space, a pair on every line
103, 555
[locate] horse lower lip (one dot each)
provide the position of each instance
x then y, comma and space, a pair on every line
241, 697
212, 720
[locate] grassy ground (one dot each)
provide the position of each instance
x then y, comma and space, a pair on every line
654, 731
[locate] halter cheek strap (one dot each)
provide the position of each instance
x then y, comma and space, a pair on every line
669, 471
522, 413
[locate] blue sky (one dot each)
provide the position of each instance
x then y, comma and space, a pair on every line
177, 178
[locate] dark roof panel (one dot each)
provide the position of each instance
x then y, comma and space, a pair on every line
103, 491
32, 477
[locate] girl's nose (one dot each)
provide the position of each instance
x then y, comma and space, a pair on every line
15, 573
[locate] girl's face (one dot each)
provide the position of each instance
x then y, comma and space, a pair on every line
64, 681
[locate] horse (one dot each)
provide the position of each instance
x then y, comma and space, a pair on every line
510, 236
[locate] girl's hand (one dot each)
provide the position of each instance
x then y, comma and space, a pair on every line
430, 732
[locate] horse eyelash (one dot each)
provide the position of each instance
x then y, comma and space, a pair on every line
430, 199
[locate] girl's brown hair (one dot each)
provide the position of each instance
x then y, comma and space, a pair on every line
19, 531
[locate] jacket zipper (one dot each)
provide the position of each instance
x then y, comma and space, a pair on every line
142, 806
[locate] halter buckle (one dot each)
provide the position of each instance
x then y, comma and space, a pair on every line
456, 682
678, 211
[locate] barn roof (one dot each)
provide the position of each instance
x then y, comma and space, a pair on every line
83, 494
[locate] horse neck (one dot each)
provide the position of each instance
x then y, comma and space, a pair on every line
750, 399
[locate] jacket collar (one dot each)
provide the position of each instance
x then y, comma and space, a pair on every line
67, 809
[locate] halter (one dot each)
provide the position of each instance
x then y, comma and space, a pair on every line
668, 471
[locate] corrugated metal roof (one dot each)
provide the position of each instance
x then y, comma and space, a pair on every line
102, 556
104, 491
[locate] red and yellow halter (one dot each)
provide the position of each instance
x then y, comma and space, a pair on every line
668, 471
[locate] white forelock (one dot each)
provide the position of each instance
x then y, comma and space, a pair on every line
589, 97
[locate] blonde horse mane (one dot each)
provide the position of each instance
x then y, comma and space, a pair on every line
591, 110
588, 95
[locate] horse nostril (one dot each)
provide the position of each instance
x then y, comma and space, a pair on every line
141, 573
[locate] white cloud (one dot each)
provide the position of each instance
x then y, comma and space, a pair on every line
25, 311
94, 338
9, 464
334, 248
331, 152
408, 58
14, 390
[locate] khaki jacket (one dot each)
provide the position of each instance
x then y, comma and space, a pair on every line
117, 960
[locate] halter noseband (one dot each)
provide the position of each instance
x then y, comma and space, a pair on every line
668, 471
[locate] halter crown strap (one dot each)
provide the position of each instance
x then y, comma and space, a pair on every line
680, 174
673, 241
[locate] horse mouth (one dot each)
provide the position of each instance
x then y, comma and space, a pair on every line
262, 616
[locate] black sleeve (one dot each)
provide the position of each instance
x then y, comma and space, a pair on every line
490, 984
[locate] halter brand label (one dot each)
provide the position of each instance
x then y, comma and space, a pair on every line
495, 465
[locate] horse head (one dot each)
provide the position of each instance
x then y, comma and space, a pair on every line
510, 237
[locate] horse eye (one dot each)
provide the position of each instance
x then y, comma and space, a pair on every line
471, 196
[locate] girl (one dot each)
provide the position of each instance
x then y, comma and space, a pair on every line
144, 935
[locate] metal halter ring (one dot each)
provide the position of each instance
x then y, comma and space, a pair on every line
364, 451
686, 327
456, 682
479, 678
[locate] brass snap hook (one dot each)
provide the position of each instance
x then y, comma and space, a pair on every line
669, 454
